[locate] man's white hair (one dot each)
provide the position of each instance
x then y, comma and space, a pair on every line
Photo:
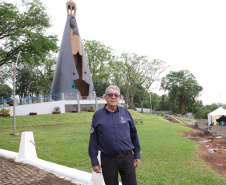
112, 87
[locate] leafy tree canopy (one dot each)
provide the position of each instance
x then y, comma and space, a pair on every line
212, 107
24, 31
98, 56
183, 88
35, 80
5, 91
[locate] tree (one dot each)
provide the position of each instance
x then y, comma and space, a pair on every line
152, 71
33, 79
224, 106
212, 107
133, 74
24, 31
154, 100
23, 79
6, 75
164, 104
44, 75
199, 110
117, 71
5, 91
138, 74
98, 57
182, 87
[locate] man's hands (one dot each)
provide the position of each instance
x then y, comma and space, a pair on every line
136, 163
97, 169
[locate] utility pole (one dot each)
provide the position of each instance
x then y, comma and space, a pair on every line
14, 95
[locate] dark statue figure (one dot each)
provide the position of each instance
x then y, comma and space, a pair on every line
72, 73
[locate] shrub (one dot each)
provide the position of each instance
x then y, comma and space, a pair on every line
162, 114
5, 110
57, 108
189, 115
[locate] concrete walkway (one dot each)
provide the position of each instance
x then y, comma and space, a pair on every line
12, 173
26, 168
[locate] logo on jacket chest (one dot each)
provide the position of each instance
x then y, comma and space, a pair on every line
122, 120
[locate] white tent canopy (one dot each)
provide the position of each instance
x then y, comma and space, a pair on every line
215, 115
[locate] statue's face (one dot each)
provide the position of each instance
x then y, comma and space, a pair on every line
73, 23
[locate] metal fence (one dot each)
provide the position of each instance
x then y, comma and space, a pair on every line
45, 98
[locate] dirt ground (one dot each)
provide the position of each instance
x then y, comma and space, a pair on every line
212, 143
212, 146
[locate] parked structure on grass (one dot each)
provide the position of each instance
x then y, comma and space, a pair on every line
216, 114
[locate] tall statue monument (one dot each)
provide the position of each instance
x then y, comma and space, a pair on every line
72, 75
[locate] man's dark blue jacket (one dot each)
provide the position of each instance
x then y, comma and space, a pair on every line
113, 133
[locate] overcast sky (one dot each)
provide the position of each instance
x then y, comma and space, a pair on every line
186, 34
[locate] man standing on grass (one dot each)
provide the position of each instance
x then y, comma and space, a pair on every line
113, 132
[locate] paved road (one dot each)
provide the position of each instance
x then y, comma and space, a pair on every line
12, 173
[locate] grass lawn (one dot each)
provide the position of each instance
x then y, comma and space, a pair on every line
167, 157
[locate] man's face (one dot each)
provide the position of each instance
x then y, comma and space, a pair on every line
112, 100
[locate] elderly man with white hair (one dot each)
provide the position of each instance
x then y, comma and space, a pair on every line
113, 132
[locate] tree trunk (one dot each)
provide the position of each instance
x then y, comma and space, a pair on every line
29, 86
181, 105
141, 100
131, 101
